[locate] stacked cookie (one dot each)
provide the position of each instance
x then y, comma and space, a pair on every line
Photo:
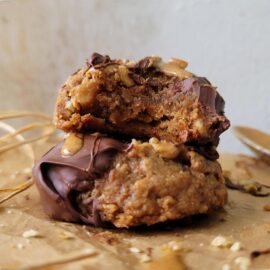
141, 145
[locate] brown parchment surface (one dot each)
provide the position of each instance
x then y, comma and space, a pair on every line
243, 220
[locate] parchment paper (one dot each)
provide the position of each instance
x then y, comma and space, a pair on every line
184, 244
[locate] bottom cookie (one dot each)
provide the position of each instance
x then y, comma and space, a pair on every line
127, 184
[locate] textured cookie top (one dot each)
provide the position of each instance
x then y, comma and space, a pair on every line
141, 99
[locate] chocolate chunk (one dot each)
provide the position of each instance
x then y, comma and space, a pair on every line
98, 59
61, 179
145, 63
206, 93
208, 150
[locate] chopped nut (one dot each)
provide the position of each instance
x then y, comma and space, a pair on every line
145, 258
236, 246
243, 262
84, 94
199, 126
69, 106
135, 250
165, 149
124, 77
110, 207
31, 233
220, 241
173, 68
110, 69
179, 62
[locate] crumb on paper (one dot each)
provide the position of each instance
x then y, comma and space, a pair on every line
27, 170
31, 233
226, 266
20, 246
221, 241
243, 262
145, 258
236, 246
135, 250
174, 245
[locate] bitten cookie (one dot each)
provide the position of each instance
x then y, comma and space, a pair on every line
144, 99
101, 181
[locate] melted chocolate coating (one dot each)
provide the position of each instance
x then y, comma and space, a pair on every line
60, 179
206, 93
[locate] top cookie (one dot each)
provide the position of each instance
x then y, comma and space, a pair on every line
148, 98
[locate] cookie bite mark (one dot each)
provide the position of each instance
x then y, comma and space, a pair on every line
144, 99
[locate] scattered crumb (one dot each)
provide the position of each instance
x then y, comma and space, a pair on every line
266, 207
201, 244
9, 212
226, 267
27, 170
2, 225
135, 250
65, 235
31, 233
236, 246
243, 262
20, 246
145, 258
173, 245
221, 241
28, 241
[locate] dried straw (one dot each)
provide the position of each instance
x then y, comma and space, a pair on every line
47, 129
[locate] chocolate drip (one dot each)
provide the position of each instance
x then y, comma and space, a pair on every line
61, 179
